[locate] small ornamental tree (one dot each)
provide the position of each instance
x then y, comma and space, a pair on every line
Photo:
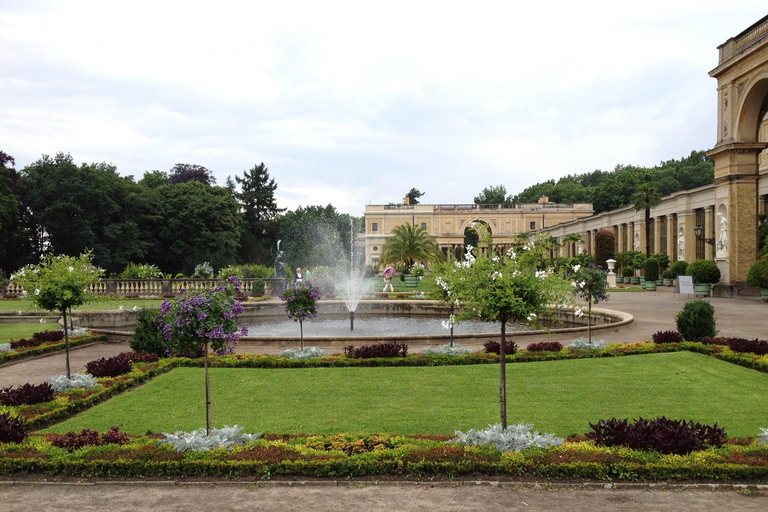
300, 303
445, 294
508, 287
589, 283
60, 283
605, 247
198, 320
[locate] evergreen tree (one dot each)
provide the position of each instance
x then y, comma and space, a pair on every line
257, 199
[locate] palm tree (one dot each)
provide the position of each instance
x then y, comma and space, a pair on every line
571, 238
646, 197
408, 245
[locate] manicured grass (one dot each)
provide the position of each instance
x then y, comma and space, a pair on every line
103, 303
17, 331
426, 284
559, 396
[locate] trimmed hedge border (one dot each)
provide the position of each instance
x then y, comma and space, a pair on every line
416, 456
47, 348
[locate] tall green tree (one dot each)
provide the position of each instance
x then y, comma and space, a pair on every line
646, 197
314, 236
196, 223
9, 206
256, 195
408, 245
493, 195
413, 196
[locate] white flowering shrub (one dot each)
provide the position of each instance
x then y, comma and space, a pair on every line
79, 380
5, 347
203, 271
762, 438
446, 350
303, 353
198, 440
585, 344
514, 439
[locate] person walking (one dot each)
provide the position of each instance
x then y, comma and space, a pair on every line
387, 275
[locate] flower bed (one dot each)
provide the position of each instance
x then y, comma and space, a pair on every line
345, 456
47, 348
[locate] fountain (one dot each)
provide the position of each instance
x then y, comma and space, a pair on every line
353, 285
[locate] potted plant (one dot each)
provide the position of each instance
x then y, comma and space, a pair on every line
667, 277
638, 260
757, 275
651, 270
679, 268
627, 273
415, 273
705, 274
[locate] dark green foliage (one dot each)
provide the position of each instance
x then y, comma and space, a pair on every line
663, 260
704, 271
758, 273
494, 347
661, 434
610, 190
28, 394
12, 430
109, 367
667, 337
696, 320
378, 350
413, 196
184, 173
148, 337
678, 268
545, 346
258, 287
627, 272
651, 269
667, 274
493, 195
605, 247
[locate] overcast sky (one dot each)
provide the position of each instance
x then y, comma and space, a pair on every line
355, 103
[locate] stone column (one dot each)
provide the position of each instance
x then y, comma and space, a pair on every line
671, 247
657, 235
736, 179
709, 231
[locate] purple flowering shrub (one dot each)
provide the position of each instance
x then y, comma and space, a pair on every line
301, 300
207, 317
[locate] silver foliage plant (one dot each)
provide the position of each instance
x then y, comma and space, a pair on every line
305, 353
514, 439
79, 380
446, 350
5, 347
198, 440
584, 344
762, 438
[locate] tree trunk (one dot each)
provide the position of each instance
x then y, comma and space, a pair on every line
207, 394
647, 232
450, 320
589, 319
66, 342
301, 331
503, 374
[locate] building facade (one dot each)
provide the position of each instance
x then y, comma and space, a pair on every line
729, 208
449, 223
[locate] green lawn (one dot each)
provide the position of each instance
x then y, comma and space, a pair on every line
102, 303
559, 396
17, 331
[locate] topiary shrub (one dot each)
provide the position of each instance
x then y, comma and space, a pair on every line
667, 274
651, 269
605, 247
678, 268
494, 347
626, 272
696, 320
661, 434
545, 346
28, 394
112, 367
667, 337
757, 275
12, 430
704, 271
148, 337
378, 350
663, 260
